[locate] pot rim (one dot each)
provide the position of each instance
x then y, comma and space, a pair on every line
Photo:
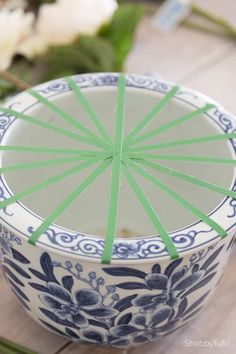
90, 247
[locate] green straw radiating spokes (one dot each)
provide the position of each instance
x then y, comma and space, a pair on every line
48, 150
151, 213
193, 159
89, 110
48, 126
186, 177
116, 172
50, 181
151, 115
67, 118
45, 163
179, 199
203, 139
68, 201
123, 154
172, 124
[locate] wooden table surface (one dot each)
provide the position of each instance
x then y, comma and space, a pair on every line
206, 63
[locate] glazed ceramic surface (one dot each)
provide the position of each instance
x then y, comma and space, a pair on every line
119, 305
143, 294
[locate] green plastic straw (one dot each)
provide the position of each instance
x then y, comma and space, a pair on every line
48, 182
183, 158
195, 211
151, 213
68, 201
151, 115
48, 126
89, 110
44, 163
172, 124
122, 154
203, 139
67, 118
116, 172
188, 178
48, 150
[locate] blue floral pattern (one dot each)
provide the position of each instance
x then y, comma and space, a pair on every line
125, 306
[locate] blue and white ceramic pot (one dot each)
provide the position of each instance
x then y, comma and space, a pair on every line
143, 294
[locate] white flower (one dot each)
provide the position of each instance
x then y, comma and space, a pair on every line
32, 46
15, 27
63, 21
13, 4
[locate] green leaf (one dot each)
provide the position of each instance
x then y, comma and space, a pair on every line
6, 89
121, 30
87, 54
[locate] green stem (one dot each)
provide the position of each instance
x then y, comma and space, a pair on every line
14, 80
205, 29
219, 21
7, 347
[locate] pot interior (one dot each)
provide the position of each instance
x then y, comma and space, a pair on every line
89, 213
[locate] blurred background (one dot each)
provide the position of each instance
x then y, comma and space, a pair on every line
176, 39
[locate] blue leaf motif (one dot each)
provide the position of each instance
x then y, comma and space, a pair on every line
211, 258
125, 272
123, 330
39, 287
88, 297
50, 301
125, 303
21, 301
131, 286
173, 266
59, 292
38, 274
18, 269
156, 281
156, 268
19, 257
188, 281
105, 312
178, 275
12, 276
98, 324
161, 315
93, 336
199, 285
182, 307
196, 303
142, 300
71, 333
19, 291
46, 264
125, 319
139, 319
231, 243
210, 270
51, 315
52, 328
68, 282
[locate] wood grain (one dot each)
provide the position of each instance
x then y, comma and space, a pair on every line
208, 64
